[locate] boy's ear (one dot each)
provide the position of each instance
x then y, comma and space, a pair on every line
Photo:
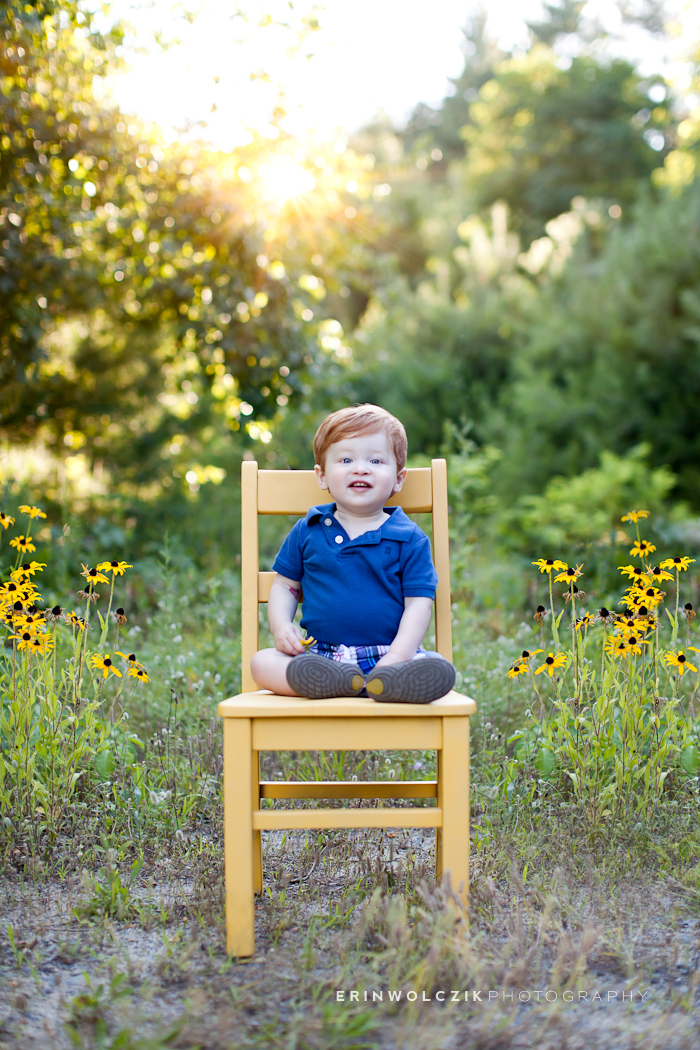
320, 476
400, 478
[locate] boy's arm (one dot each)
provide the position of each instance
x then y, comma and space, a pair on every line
281, 606
411, 632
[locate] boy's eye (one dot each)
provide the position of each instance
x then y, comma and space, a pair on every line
346, 459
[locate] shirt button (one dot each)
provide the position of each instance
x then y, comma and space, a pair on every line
339, 539
327, 521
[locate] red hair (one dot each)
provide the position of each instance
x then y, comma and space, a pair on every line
360, 419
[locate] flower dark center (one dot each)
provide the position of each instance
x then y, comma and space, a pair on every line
526, 654
643, 611
688, 606
26, 636
681, 659
633, 640
57, 610
120, 611
92, 572
108, 662
540, 608
603, 613
650, 592
550, 561
549, 660
26, 566
677, 561
114, 564
18, 606
132, 658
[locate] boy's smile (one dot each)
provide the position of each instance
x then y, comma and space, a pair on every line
361, 475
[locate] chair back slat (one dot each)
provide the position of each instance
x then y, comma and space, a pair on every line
292, 492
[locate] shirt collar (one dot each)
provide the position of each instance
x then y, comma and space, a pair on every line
398, 527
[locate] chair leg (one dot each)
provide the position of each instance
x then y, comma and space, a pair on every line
455, 805
257, 835
438, 831
238, 837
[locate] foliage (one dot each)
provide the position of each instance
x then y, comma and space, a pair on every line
602, 734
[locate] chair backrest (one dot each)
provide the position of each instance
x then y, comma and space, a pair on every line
293, 492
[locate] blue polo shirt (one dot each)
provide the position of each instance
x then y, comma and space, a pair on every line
354, 590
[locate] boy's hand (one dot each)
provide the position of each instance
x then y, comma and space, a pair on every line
288, 639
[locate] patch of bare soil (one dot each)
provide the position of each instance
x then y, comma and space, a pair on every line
553, 957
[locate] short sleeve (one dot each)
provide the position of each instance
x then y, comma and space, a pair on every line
418, 576
289, 561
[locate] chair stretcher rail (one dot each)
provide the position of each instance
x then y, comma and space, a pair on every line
348, 789
300, 819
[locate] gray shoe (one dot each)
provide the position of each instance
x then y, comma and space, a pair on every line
318, 678
412, 682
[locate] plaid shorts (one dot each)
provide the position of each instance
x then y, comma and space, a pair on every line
365, 656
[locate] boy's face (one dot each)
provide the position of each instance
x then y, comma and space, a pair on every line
360, 473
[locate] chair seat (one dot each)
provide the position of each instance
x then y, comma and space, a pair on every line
264, 704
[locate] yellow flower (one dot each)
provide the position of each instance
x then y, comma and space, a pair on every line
41, 644
139, 673
642, 548
551, 663
638, 596
115, 567
308, 641
104, 664
130, 658
27, 570
33, 512
657, 574
93, 575
635, 573
633, 643
677, 563
521, 665
6, 520
585, 621
547, 564
635, 515
75, 621
680, 661
23, 544
569, 575
616, 647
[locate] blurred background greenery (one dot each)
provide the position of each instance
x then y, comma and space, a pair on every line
515, 273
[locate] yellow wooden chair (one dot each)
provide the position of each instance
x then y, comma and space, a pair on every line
256, 721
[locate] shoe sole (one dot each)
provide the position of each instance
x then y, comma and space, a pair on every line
317, 678
412, 682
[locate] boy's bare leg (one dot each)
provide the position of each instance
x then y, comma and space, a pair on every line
269, 669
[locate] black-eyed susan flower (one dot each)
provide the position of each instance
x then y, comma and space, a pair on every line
551, 663
25, 571
6, 520
635, 515
635, 573
680, 661
104, 664
540, 613
75, 621
40, 644
569, 575
604, 615
93, 575
657, 574
585, 621
678, 563
32, 512
119, 616
634, 643
518, 668
642, 548
117, 568
650, 597
616, 647
138, 673
23, 543
688, 611
130, 658
549, 564
55, 614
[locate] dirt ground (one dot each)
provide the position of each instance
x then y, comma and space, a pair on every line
554, 956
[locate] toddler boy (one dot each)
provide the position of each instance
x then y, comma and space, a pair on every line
366, 573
